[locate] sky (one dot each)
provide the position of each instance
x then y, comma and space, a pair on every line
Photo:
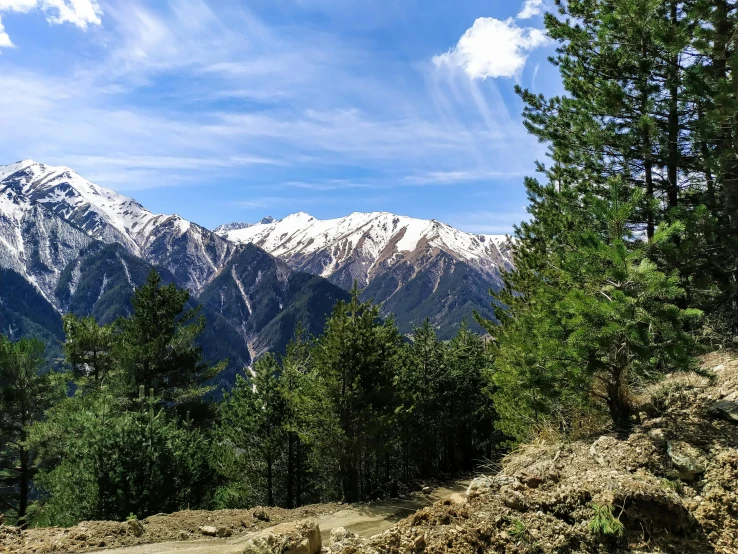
232, 110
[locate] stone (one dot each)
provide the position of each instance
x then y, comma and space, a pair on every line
688, 461
340, 534
479, 486
598, 448
261, 514
427, 490
725, 409
302, 537
537, 474
484, 485
513, 499
211, 531
135, 527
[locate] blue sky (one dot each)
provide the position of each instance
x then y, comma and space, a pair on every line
228, 110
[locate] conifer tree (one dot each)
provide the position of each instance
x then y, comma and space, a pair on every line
354, 362
25, 394
89, 348
253, 435
156, 346
596, 317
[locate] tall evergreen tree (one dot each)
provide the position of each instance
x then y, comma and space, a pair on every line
156, 346
252, 430
596, 317
89, 348
354, 362
25, 394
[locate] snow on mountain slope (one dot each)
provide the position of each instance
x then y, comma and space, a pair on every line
34, 242
190, 251
370, 242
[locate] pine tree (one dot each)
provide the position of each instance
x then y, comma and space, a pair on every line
253, 434
354, 362
89, 348
104, 458
596, 317
156, 346
25, 394
424, 389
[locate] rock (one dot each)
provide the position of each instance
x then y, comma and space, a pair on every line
479, 486
135, 527
688, 461
261, 514
184, 535
427, 490
725, 409
211, 531
340, 534
600, 446
537, 474
301, 537
484, 485
419, 544
513, 499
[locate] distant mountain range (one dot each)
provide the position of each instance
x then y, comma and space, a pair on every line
69, 245
415, 268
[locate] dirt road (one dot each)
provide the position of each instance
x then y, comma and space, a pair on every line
363, 519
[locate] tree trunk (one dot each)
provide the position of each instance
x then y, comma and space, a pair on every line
24, 487
270, 484
673, 157
618, 401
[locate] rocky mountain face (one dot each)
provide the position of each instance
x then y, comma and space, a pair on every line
190, 252
34, 242
416, 268
68, 245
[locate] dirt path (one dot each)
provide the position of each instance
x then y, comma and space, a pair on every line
363, 519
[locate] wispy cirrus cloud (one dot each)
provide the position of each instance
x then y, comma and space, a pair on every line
245, 98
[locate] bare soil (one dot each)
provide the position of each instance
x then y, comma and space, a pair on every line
180, 533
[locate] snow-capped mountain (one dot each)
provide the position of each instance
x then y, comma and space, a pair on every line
192, 253
34, 242
416, 268
367, 243
223, 229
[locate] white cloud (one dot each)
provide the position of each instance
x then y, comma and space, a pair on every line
5, 41
531, 8
492, 48
80, 13
77, 12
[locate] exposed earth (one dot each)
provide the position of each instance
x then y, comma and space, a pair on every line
182, 532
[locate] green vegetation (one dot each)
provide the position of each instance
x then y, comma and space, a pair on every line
626, 268
628, 263
604, 522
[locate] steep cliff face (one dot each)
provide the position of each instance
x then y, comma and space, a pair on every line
34, 242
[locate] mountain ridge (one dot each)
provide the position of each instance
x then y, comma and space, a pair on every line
417, 269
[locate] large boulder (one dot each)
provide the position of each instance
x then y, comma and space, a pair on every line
302, 537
